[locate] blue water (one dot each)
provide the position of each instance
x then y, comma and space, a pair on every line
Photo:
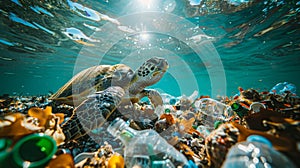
212, 47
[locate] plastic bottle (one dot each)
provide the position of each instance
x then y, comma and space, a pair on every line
203, 130
281, 88
257, 151
145, 148
32, 151
212, 111
239, 109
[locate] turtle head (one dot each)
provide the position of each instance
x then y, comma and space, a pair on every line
149, 73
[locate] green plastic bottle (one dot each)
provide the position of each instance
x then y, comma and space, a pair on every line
32, 151
240, 110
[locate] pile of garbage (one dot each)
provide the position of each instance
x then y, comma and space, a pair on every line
249, 129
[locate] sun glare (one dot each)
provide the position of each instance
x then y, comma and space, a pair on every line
144, 36
146, 4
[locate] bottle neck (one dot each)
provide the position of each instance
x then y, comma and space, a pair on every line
122, 131
239, 109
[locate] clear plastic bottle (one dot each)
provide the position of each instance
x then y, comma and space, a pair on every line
203, 130
145, 148
212, 111
257, 151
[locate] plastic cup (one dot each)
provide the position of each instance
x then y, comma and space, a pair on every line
256, 106
33, 151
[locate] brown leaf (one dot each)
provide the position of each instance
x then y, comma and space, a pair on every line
57, 135
186, 125
39, 114
169, 118
13, 125
61, 117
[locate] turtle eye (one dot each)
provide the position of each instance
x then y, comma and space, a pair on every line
155, 73
152, 68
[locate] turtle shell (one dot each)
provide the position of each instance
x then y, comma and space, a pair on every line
91, 80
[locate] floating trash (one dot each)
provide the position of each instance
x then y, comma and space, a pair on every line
79, 37
201, 38
92, 27
84, 11
126, 29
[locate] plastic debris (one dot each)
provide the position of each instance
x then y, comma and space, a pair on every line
145, 148
186, 131
256, 107
211, 111
168, 99
284, 87
257, 151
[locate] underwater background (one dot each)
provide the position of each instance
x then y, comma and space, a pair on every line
212, 46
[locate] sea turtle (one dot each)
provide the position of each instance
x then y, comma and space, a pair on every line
97, 92
91, 80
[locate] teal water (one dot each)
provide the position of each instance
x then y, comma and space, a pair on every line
212, 46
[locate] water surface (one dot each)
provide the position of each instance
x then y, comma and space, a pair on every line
213, 47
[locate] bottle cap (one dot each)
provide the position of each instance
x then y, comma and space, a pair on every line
173, 101
34, 150
162, 164
235, 106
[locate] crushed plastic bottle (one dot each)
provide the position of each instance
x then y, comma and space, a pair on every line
257, 151
145, 148
281, 88
212, 111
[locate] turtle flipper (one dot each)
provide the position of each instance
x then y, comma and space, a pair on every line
153, 96
93, 112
